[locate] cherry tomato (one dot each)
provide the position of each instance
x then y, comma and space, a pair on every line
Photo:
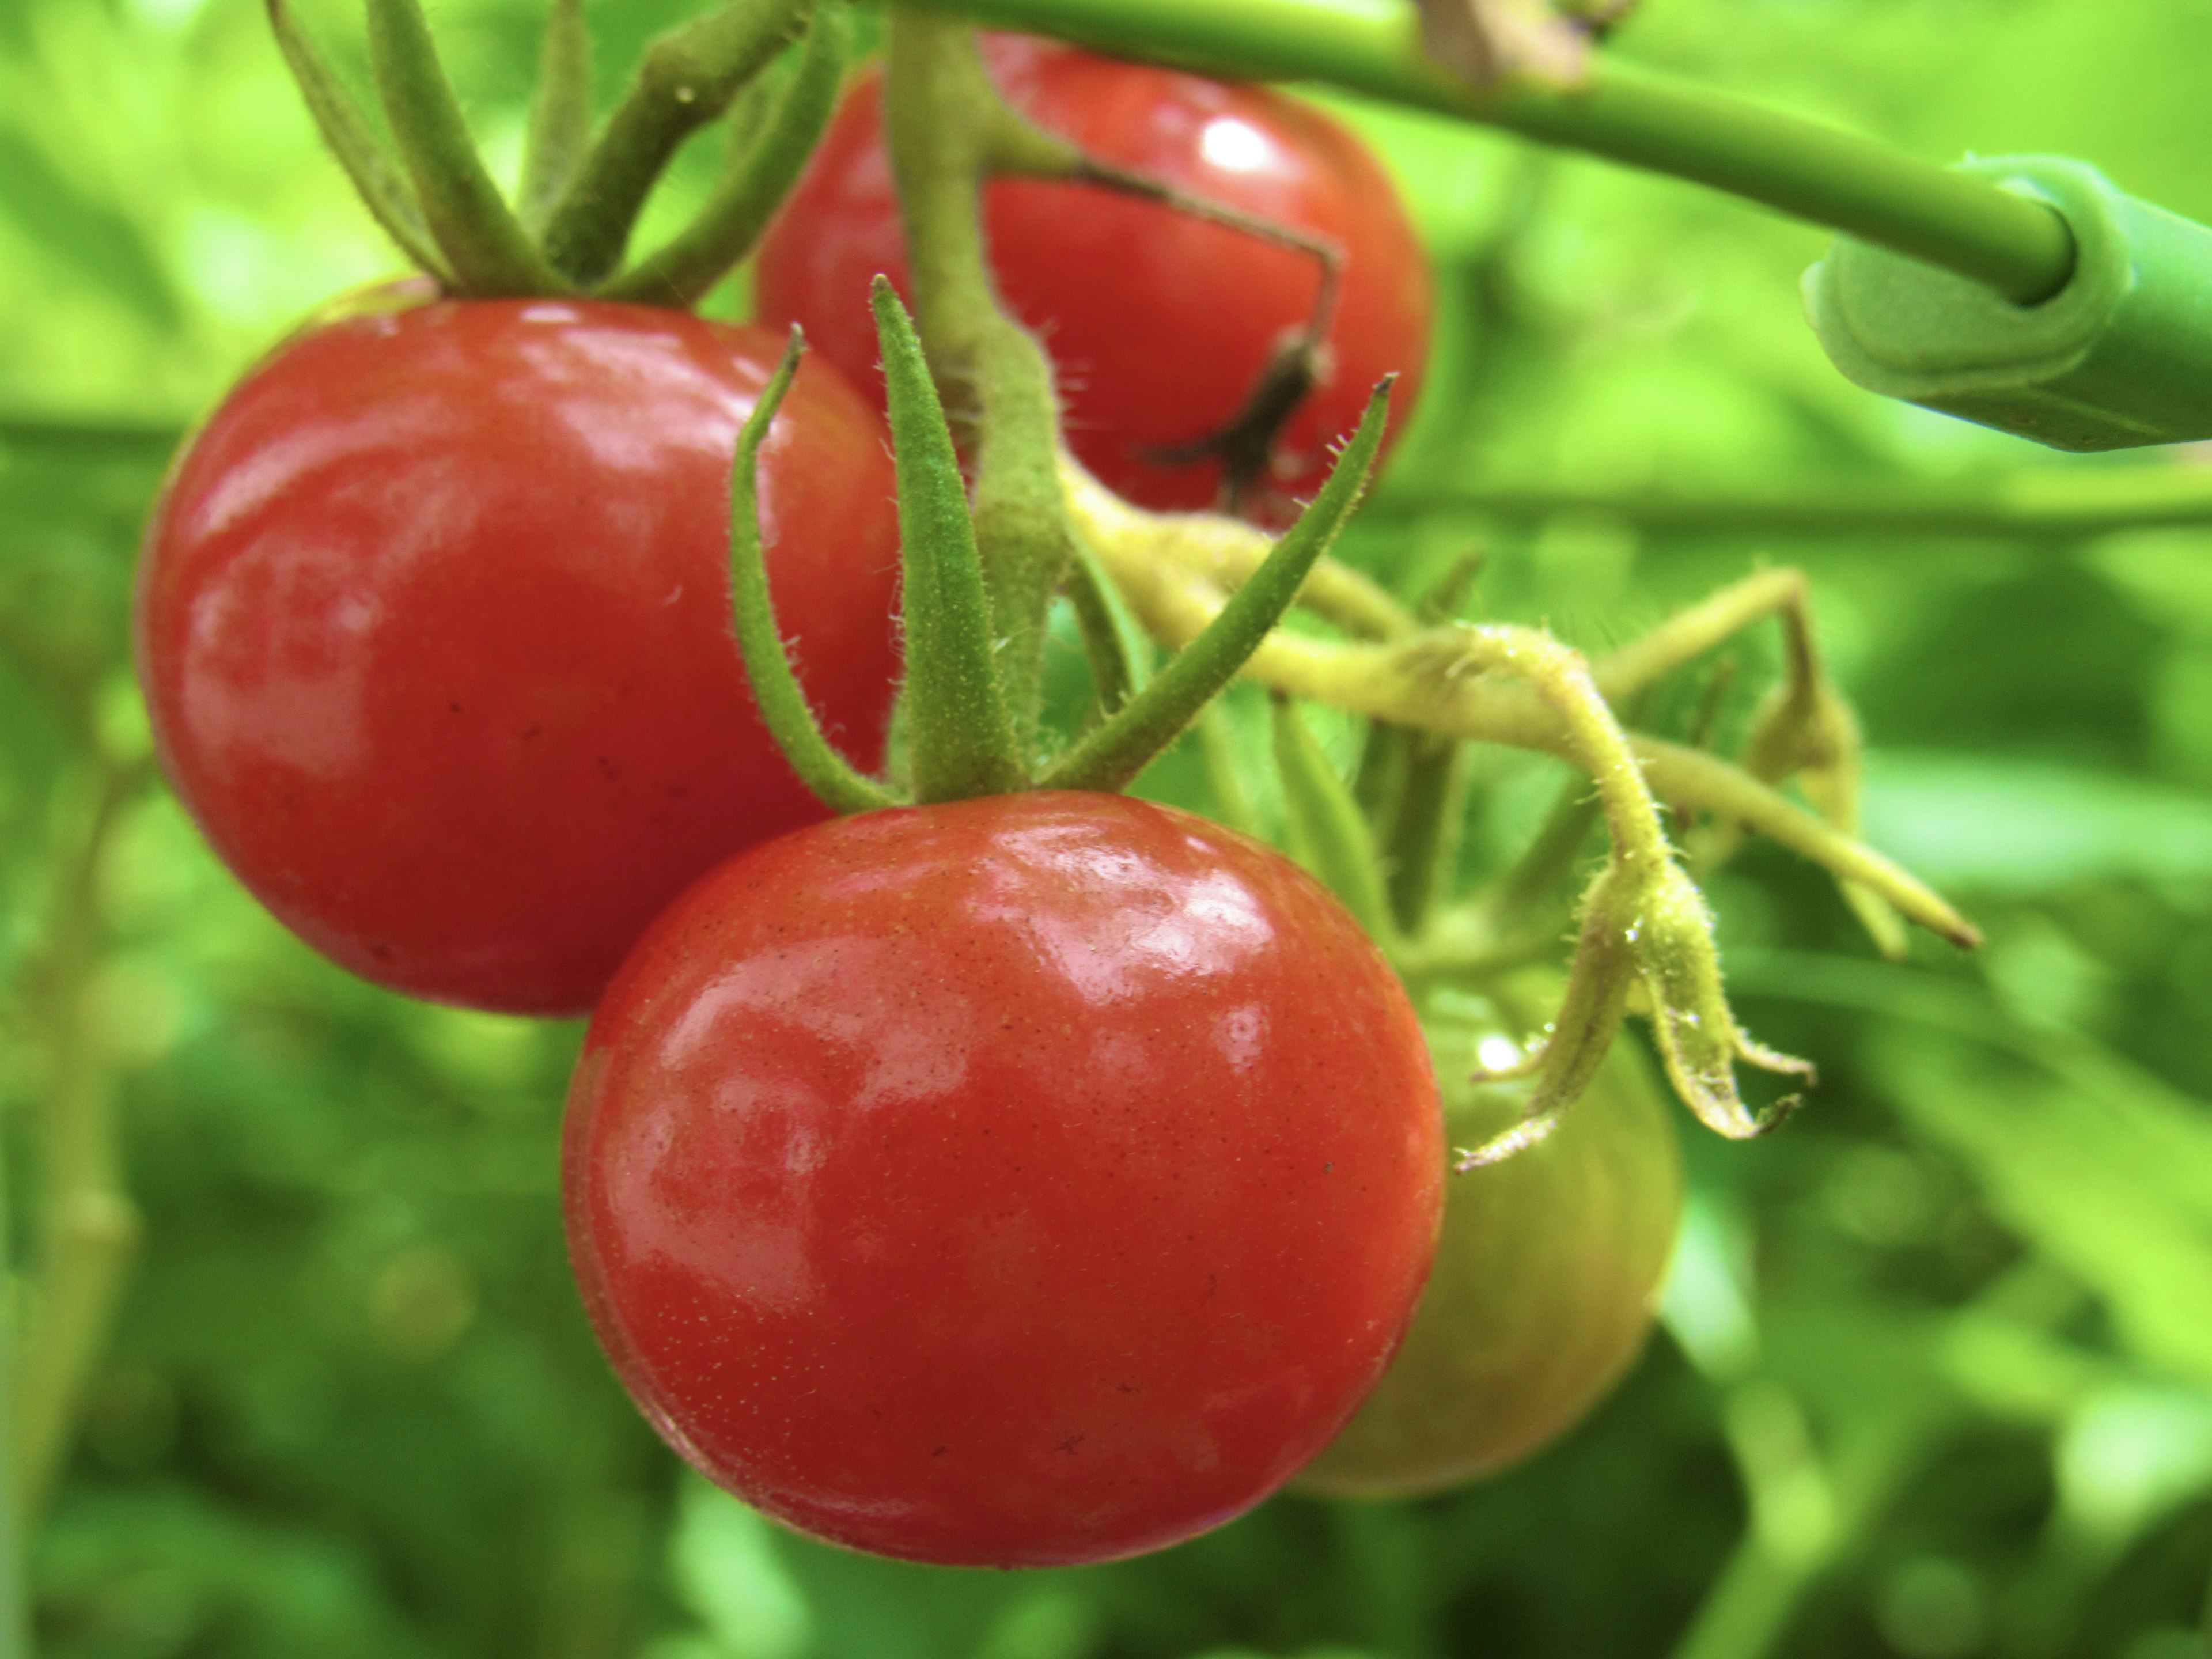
434, 623
1160, 323
1544, 1280
1033, 1180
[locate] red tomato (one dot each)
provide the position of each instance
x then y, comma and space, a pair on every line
434, 626
1159, 323
1036, 1179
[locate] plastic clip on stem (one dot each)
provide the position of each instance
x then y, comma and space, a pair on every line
2026, 295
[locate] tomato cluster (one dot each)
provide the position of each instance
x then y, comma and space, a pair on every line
1038, 1178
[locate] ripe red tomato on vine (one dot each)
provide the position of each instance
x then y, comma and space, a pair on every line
1159, 323
1030, 1180
433, 624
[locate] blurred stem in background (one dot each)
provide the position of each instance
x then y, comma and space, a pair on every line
87, 1228
15, 1623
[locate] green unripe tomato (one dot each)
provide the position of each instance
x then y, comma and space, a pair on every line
1546, 1277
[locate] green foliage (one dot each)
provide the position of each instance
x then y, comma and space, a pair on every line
1937, 1374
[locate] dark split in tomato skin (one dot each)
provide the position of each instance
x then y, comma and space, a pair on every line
434, 625
1032, 1180
1159, 324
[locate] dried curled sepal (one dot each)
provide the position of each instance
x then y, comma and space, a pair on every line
1698, 1040
1590, 1018
1484, 42
1646, 938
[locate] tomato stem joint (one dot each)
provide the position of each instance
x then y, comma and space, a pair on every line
2120, 356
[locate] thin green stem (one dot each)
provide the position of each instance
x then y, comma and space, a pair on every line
1328, 835
1119, 654
948, 130
1118, 751
1800, 167
758, 178
688, 77
89, 1228
382, 187
15, 1608
961, 743
560, 116
2047, 504
783, 701
1423, 839
485, 244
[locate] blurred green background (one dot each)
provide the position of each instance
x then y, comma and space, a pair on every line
1935, 1379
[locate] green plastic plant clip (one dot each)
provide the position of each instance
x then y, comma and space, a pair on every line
2120, 356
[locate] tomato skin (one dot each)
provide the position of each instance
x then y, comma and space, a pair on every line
1030, 1181
433, 624
1544, 1280
1158, 323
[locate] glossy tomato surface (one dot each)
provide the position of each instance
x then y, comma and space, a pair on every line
434, 623
1546, 1277
1038, 1179
1159, 324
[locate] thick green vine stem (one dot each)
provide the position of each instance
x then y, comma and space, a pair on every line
959, 739
482, 242
687, 79
948, 130
1805, 168
759, 174
1114, 754
776, 691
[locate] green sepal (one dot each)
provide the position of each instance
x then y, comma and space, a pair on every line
383, 188
782, 703
1328, 835
560, 115
961, 742
688, 78
1114, 754
490, 253
1220, 753
760, 174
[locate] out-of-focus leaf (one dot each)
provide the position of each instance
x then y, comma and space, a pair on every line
2011, 827
100, 244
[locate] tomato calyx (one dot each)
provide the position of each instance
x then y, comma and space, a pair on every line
962, 741
568, 231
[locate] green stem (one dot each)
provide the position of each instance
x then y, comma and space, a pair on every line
1800, 167
90, 1229
1155, 717
2053, 504
15, 1608
560, 116
1218, 752
781, 700
758, 178
1119, 654
960, 741
491, 253
1328, 835
1424, 834
688, 77
948, 132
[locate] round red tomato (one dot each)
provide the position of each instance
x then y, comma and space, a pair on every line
1034, 1179
1160, 323
434, 623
